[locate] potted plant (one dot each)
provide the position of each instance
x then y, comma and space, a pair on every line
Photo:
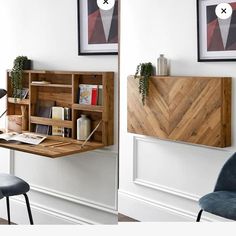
143, 72
20, 63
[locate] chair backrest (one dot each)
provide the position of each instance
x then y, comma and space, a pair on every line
226, 180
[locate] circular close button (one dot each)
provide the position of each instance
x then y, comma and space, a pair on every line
224, 11
106, 4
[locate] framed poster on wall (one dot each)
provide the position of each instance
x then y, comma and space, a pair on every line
97, 28
216, 22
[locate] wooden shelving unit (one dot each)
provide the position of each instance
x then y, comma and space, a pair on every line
63, 89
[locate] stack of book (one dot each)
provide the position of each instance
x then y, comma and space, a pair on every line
90, 94
44, 109
61, 113
48, 109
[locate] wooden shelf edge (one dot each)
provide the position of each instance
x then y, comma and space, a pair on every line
93, 108
52, 85
66, 72
51, 122
20, 102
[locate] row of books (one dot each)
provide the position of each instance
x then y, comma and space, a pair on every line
48, 109
61, 113
90, 94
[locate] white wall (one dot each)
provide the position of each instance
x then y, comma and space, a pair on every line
163, 180
77, 189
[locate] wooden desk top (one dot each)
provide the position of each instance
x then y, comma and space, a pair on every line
53, 147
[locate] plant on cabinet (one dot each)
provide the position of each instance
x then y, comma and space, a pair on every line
143, 72
20, 63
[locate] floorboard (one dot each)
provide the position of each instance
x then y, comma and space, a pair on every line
124, 218
121, 218
5, 222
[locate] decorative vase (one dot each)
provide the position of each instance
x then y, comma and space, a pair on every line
83, 127
162, 66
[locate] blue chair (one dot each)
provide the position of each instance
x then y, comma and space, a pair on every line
222, 202
11, 185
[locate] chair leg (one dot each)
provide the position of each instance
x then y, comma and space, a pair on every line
28, 208
199, 216
8, 210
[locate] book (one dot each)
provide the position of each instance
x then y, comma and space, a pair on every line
29, 138
57, 114
44, 109
94, 95
85, 93
100, 95
67, 116
22, 93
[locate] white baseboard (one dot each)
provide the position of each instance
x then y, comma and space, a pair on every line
44, 215
147, 210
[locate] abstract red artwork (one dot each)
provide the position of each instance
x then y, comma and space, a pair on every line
221, 33
216, 28
98, 27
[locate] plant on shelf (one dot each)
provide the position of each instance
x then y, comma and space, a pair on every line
20, 63
143, 72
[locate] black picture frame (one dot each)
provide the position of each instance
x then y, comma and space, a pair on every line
205, 13
110, 47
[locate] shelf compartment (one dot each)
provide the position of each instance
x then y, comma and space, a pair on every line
83, 107
52, 122
52, 85
18, 101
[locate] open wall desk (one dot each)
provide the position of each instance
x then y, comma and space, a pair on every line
63, 89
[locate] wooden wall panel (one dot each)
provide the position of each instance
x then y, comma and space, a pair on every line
189, 109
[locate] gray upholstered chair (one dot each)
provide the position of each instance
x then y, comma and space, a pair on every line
11, 185
1, 195
222, 201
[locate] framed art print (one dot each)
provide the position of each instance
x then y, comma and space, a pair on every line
216, 30
97, 28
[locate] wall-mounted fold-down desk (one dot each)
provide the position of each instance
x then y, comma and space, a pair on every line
189, 109
62, 87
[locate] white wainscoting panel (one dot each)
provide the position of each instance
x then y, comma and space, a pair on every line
76, 190
4, 160
150, 210
171, 167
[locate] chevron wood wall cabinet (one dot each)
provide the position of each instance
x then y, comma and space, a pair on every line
190, 109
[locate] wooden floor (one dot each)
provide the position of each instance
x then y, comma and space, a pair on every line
121, 218
5, 222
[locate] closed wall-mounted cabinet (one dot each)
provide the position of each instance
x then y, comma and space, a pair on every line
189, 109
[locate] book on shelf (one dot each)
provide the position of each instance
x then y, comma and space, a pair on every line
100, 95
44, 109
94, 96
88, 94
67, 116
57, 114
28, 138
22, 93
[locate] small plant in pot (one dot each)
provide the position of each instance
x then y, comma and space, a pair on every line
143, 72
20, 64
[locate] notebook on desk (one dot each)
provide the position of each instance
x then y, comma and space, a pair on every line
29, 138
